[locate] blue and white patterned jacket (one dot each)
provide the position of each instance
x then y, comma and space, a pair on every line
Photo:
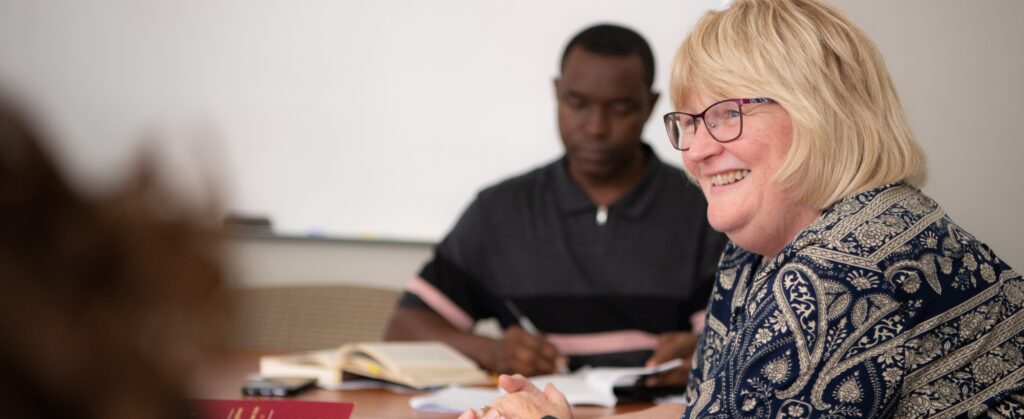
882, 307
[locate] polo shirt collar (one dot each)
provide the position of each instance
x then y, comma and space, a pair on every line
634, 203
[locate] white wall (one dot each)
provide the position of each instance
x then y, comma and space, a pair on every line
268, 261
102, 71
343, 118
958, 68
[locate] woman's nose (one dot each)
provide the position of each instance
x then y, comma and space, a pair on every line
702, 145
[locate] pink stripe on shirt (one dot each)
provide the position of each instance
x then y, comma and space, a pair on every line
604, 342
440, 303
567, 344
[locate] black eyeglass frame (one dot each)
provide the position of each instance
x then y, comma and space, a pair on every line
677, 143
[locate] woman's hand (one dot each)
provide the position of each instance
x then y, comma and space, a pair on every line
524, 400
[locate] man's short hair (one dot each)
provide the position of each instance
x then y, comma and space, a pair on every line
608, 39
850, 133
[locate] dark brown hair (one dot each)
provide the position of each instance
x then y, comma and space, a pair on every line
103, 300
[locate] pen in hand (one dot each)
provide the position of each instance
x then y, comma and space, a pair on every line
529, 327
524, 321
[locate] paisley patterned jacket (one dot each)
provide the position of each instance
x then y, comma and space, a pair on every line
882, 307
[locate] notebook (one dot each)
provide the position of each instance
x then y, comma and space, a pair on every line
418, 365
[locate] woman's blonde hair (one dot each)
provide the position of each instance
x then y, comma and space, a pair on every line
850, 133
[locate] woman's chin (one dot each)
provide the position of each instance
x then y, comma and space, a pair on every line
722, 218
721, 225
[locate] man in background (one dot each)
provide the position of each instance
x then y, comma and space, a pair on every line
574, 258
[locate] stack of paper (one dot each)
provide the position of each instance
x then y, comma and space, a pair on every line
455, 399
596, 386
586, 386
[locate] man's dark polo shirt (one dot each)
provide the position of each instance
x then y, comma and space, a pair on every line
600, 292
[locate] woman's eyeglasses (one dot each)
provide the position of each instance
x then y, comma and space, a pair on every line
723, 120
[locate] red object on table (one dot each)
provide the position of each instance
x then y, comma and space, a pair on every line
272, 409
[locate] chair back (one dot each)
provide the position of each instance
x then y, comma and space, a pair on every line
307, 317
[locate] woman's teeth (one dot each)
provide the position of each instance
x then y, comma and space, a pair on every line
729, 177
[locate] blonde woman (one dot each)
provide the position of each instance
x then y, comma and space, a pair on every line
845, 292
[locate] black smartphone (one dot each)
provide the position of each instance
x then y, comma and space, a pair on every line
277, 386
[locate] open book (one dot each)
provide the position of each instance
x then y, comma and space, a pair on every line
419, 365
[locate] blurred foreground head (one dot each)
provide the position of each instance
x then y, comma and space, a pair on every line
103, 300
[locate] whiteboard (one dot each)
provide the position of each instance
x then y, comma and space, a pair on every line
369, 119
381, 119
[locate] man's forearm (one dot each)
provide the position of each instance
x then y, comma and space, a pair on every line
424, 324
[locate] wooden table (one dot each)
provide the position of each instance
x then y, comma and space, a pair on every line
225, 377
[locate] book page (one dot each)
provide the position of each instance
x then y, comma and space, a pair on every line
416, 364
455, 399
579, 390
324, 365
416, 354
596, 386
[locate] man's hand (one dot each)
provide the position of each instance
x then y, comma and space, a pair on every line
519, 352
672, 345
516, 352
